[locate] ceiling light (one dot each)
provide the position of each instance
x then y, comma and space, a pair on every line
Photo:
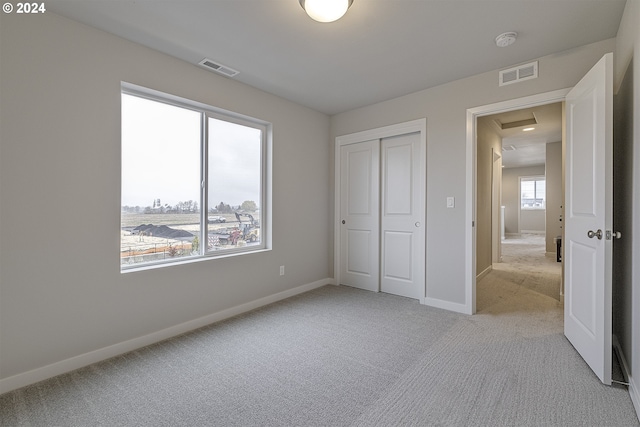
506, 39
527, 129
326, 10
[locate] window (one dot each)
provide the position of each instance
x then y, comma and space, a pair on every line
193, 180
532, 192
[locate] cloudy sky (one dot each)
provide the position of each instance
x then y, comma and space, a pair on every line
161, 156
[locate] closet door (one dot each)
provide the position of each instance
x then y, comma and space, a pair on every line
360, 219
402, 217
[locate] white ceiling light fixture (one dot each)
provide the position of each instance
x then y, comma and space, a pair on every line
506, 39
326, 10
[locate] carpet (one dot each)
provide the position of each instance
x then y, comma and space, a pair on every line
338, 356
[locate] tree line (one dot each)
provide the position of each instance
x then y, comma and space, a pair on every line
187, 207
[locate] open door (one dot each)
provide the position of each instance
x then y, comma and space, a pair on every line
588, 217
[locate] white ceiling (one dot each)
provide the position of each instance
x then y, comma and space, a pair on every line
381, 49
520, 148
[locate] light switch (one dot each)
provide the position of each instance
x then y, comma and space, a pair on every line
451, 202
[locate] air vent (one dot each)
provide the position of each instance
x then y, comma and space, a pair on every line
218, 68
518, 74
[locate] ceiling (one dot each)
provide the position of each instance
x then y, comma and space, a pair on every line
527, 148
380, 50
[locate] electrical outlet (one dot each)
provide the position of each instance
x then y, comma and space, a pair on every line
282, 270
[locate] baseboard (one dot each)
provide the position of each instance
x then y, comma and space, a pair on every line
634, 392
484, 273
533, 232
39, 374
620, 353
447, 305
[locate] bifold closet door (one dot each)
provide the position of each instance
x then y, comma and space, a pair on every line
360, 218
402, 258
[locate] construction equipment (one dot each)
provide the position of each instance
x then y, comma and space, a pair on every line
249, 230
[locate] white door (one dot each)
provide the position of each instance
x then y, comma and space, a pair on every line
587, 314
402, 218
359, 215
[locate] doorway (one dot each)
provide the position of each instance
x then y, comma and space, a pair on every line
588, 235
472, 226
519, 183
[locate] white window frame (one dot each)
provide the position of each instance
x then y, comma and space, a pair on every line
535, 178
265, 203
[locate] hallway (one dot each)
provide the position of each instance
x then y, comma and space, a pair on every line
526, 271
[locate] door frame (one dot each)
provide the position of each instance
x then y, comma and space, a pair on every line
413, 126
471, 184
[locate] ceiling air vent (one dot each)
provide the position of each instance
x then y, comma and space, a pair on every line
218, 68
518, 74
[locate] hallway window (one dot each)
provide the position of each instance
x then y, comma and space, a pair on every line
532, 192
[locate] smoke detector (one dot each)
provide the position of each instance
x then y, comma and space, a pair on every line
506, 39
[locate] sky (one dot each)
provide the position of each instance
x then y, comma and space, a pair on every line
161, 156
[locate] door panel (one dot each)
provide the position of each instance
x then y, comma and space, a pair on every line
360, 219
589, 207
358, 256
398, 188
402, 218
582, 308
397, 256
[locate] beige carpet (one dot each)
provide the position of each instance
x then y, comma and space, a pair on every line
524, 263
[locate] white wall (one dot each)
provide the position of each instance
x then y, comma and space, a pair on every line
61, 291
517, 220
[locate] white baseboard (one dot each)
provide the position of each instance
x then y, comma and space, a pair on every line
39, 374
634, 392
484, 273
623, 360
533, 232
447, 305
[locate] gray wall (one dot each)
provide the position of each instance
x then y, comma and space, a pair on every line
555, 198
59, 138
626, 290
445, 108
62, 293
488, 139
514, 219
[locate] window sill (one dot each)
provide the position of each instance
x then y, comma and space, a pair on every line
135, 269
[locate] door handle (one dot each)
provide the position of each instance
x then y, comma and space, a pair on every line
591, 234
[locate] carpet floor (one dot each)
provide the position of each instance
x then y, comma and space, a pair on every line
338, 356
